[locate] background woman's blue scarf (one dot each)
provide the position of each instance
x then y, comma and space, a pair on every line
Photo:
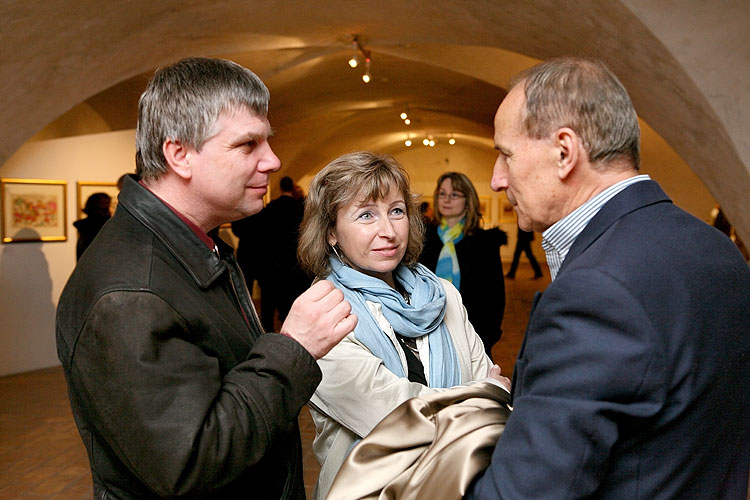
423, 316
447, 264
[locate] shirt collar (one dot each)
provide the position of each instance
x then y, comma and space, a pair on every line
205, 238
560, 236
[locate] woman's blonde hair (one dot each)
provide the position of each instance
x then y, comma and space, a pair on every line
462, 184
358, 176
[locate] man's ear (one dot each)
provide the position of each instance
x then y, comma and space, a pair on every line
568, 151
177, 155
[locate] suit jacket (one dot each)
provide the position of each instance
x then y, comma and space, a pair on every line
633, 378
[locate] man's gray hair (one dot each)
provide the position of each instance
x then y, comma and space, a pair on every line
183, 102
587, 97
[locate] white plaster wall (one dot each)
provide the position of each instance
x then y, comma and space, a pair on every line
32, 275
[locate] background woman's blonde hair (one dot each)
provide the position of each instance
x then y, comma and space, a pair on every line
354, 177
462, 184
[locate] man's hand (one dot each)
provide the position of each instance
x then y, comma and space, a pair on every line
495, 373
319, 319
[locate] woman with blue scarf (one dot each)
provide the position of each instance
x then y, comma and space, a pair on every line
363, 232
460, 251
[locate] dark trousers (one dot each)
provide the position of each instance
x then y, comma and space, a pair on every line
524, 247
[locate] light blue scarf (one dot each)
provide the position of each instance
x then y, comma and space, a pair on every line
424, 315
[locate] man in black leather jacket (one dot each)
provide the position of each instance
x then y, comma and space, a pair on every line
176, 390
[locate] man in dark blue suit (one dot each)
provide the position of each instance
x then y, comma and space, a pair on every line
633, 381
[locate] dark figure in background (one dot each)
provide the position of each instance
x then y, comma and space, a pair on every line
425, 211
97, 213
251, 255
285, 280
275, 260
176, 390
523, 245
459, 250
633, 378
121, 181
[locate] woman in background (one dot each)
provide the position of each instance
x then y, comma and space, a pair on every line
363, 232
460, 251
97, 210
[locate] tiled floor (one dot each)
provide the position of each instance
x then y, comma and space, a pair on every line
41, 455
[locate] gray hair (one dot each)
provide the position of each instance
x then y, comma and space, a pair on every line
587, 97
184, 102
353, 177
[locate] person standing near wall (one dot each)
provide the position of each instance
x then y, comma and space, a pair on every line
460, 251
523, 245
97, 214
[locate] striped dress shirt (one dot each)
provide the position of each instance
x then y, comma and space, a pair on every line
561, 235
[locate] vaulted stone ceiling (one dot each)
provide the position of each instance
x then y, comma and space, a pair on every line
685, 64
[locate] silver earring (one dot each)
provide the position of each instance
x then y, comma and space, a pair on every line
333, 247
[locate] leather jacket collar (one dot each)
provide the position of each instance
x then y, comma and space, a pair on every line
203, 264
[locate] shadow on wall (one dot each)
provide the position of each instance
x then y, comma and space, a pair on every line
25, 308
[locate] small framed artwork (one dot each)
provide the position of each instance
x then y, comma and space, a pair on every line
507, 214
485, 208
33, 210
86, 189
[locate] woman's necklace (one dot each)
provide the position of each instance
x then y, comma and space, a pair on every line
403, 293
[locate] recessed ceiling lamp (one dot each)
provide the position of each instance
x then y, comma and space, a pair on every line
408, 142
451, 141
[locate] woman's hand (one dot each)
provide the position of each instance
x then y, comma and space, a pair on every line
495, 373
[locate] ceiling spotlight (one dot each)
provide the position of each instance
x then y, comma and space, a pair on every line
366, 77
451, 141
354, 61
404, 115
426, 141
407, 121
407, 143
432, 143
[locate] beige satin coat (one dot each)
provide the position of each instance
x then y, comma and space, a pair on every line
430, 447
357, 390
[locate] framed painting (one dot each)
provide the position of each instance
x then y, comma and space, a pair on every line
507, 214
86, 189
485, 208
33, 210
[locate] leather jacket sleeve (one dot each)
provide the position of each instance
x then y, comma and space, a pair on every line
151, 376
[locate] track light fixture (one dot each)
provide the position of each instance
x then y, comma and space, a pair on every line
366, 77
355, 59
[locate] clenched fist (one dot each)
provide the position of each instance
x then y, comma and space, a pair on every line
319, 319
